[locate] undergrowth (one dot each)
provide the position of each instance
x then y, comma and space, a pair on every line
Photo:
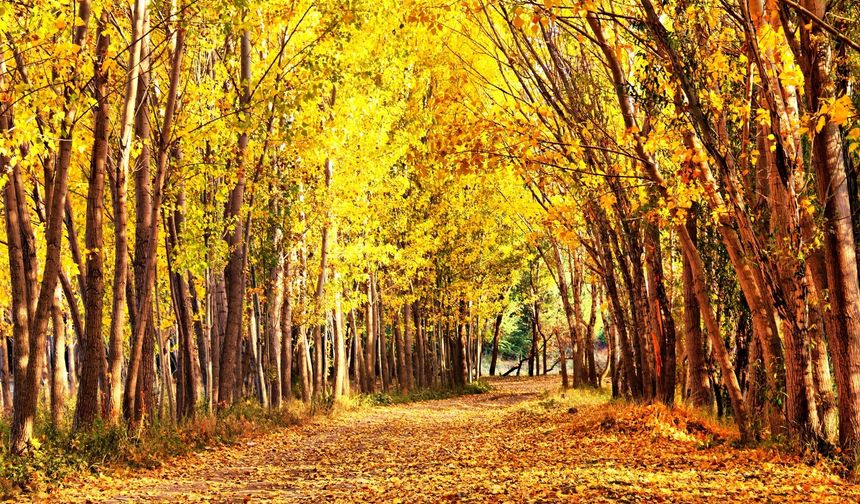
57, 452
679, 423
567, 399
417, 395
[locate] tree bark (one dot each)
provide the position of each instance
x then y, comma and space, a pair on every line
138, 386
839, 240
564, 290
370, 341
59, 374
497, 326
662, 315
698, 383
88, 405
120, 198
409, 344
287, 331
234, 273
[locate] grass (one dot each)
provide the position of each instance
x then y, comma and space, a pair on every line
57, 453
418, 395
567, 399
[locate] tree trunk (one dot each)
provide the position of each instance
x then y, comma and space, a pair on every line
120, 198
409, 343
370, 341
459, 349
497, 326
191, 380
399, 345
138, 385
381, 339
358, 368
662, 315
839, 240
589, 340
88, 406
26, 395
698, 383
287, 331
691, 252
59, 374
564, 290
341, 365
319, 346
274, 331
562, 359
234, 273
628, 365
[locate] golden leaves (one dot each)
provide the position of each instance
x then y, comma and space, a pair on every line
518, 443
837, 111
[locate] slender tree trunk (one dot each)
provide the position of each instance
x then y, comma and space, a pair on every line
341, 365
698, 382
497, 326
381, 339
620, 325
564, 290
319, 346
359, 376
459, 349
188, 352
562, 360
399, 344
663, 321
120, 198
5, 375
59, 374
138, 385
254, 347
370, 341
408, 334
589, 340
305, 366
89, 398
234, 273
287, 332
274, 330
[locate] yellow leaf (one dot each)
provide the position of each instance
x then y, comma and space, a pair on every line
841, 110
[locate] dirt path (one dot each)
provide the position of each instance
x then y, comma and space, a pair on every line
509, 445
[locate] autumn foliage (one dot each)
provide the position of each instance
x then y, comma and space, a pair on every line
209, 203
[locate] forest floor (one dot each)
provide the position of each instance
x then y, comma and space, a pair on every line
516, 443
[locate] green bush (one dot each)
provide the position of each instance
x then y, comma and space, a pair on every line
478, 387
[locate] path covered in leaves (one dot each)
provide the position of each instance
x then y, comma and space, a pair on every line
514, 444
